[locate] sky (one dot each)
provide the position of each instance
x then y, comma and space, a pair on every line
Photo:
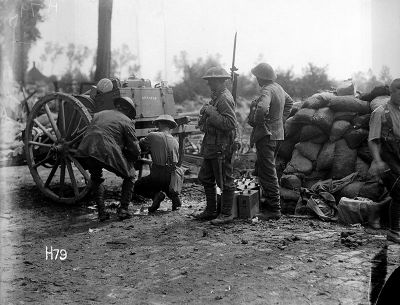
286, 33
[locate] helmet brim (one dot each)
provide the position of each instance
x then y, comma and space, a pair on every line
171, 124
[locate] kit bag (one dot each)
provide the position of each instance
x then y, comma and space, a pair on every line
177, 172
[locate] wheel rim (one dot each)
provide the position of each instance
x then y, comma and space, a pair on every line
54, 130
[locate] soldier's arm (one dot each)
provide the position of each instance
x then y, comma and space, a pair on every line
224, 118
132, 148
262, 109
288, 106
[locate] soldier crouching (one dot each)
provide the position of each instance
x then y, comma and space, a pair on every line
164, 150
218, 122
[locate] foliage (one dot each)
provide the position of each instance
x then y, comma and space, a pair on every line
192, 84
123, 62
365, 82
26, 33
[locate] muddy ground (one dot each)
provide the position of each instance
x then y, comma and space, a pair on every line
169, 258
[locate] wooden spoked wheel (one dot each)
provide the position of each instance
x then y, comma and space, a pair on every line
54, 129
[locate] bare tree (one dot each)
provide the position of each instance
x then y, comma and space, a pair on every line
103, 58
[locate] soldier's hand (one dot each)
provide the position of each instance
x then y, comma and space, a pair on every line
210, 109
203, 109
378, 167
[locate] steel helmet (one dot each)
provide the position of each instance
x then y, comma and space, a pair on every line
126, 101
216, 72
166, 118
104, 85
264, 71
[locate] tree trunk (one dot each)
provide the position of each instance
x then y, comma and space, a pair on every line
103, 59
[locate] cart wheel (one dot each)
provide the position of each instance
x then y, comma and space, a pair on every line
54, 130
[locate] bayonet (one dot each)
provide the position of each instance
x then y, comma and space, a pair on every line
234, 75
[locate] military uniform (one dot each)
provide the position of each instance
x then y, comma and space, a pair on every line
219, 125
385, 127
267, 115
164, 148
110, 143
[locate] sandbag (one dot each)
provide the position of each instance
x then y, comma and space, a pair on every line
364, 153
325, 157
286, 148
298, 164
338, 129
296, 106
349, 103
351, 190
379, 101
309, 150
320, 139
304, 116
362, 168
323, 118
344, 160
291, 127
289, 200
291, 182
356, 137
309, 132
345, 88
318, 100
344, 115
377, 91
361, 121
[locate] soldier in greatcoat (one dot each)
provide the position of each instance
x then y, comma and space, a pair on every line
110, 143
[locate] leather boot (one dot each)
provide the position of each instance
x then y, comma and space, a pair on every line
158, 198
210, 212
394, 232
176, 202
99, 199
126, 194
226, 208
269, 211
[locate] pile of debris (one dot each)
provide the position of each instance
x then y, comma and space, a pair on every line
326, 139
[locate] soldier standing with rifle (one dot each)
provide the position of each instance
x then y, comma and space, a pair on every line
267, 115
218, 122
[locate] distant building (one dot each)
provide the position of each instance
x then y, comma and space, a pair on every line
385, 31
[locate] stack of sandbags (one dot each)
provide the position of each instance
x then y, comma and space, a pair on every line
328, 138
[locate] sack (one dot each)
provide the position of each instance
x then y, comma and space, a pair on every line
298, 164
344, 160
362, 168
338, 129
377, 91
309, 150
318, 100
291, 182
349, 103
286, 148
296, 106
345, 88
304, 116
325, 157
320, 139
309, 132
177, 177
323, 118
351, 190
361, 121
345, 116
356, 137
291, 127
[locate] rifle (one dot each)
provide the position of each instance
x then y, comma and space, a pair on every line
234, 75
